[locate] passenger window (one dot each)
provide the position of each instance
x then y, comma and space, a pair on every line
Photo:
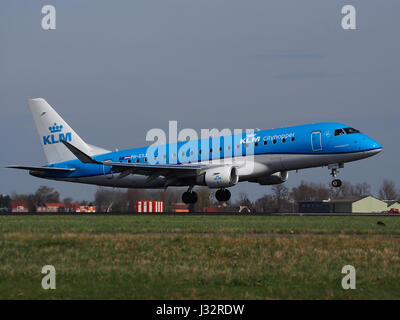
339, 132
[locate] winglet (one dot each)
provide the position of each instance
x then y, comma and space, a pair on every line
80, 154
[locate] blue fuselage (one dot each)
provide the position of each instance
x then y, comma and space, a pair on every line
289, 148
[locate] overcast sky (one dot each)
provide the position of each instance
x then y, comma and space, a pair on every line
116, 69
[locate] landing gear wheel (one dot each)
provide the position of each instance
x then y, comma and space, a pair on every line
219, 195
336, 183
223, 195
189, 197
227, 195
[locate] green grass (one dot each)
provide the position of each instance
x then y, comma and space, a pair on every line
199, 257
199, 224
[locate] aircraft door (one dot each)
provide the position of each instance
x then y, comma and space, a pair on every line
316, 142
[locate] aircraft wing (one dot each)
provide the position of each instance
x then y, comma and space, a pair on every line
154, 170
43, 169
139, 168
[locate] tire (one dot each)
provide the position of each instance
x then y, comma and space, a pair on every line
219, 195
227, 194
336, 183
223, 195
186, 197
189, 197
194, 197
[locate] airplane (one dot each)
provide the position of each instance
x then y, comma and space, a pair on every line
264, 157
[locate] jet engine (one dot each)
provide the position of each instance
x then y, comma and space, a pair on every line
220, 177
275, 178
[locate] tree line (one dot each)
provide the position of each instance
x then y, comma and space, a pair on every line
279, 199
42, 195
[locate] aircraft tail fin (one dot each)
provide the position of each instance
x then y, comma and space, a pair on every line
52, 129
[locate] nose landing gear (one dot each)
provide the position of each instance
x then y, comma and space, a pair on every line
336, 183
223, 194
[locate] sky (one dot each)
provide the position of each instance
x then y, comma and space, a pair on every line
115, 70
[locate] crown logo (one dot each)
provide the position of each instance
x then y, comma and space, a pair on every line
55, 128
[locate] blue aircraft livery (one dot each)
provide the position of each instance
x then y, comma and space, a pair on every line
264, 157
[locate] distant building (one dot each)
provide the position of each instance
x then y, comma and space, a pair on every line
180, 207
54, 207
315, 206
149, 206
366, 204
50, 207
392, 205
19, 206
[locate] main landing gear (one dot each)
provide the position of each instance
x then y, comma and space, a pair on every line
189, 197
336, 183
223, 194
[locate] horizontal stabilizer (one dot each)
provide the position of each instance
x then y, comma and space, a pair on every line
43, 169
83, 157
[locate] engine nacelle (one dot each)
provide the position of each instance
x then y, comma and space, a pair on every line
275, 178
221, 177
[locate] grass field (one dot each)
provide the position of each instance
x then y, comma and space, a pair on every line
199, 257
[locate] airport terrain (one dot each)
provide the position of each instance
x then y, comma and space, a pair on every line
199, 257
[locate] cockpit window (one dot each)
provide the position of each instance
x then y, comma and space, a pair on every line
351, 130
339, 132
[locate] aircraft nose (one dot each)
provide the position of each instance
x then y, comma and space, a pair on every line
373, 146
376, 145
